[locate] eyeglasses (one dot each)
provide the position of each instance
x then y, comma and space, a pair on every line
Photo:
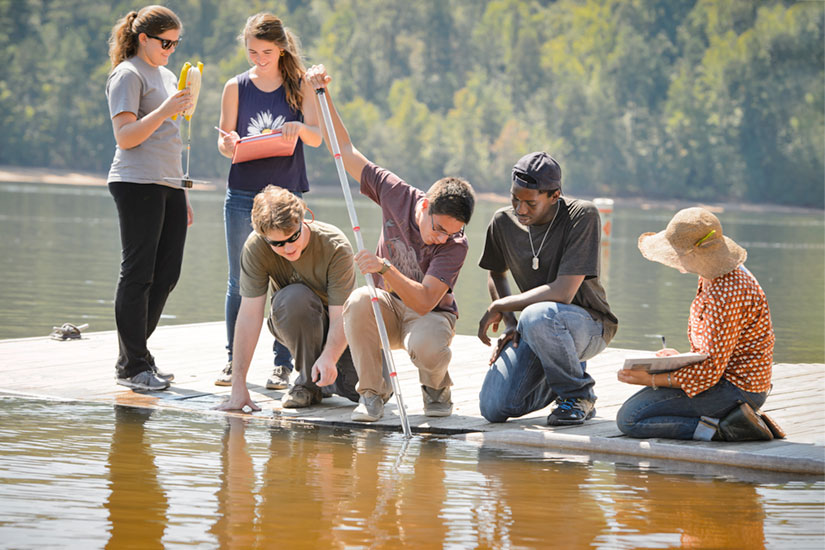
441, 231
295, 236
165, 43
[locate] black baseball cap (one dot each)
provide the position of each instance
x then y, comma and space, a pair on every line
537, 171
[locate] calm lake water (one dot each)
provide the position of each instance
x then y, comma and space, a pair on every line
77, 475
60, 251
134, 478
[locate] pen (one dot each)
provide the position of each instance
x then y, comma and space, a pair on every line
221, 131
662, 336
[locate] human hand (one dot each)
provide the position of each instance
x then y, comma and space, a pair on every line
176, 103
324, 372
636, 377
368, 262
229, 139
237, 401
317, 77
491, 318
510, 335
291, 130
190, 214
666, 352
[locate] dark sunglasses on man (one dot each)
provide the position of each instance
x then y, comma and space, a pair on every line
277, 244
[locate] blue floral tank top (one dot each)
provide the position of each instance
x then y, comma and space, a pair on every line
260, 112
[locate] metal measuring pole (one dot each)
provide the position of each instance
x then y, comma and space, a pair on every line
353, 218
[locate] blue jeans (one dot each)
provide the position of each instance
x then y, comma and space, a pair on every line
556, 339
237, 221
670, 413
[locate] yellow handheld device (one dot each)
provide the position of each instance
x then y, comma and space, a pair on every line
191, 79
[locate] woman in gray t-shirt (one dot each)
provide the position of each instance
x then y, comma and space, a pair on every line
153, 214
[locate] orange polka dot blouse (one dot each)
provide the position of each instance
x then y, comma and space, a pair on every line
729, 322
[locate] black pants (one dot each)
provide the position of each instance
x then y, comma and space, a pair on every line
152, 233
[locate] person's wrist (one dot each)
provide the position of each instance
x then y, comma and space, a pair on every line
653, 382
384, 268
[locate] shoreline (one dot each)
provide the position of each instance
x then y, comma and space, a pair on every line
58, 176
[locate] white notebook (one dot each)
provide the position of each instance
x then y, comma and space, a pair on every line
663, 364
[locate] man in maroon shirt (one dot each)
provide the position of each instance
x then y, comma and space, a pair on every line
420, 252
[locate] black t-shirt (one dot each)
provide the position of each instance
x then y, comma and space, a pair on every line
570, 248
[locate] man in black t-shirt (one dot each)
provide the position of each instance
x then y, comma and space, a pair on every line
550, 245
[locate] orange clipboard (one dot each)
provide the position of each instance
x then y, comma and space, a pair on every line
262, 146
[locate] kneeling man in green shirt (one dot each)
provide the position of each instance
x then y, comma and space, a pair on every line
308, 266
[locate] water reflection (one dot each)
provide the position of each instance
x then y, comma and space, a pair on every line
80, 476
137, 504
236, 496
564, 511
707, 513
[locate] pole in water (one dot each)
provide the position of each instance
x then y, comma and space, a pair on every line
353, 217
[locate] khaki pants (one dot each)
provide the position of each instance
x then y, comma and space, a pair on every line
426, 338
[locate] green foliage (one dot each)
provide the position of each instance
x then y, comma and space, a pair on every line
705, 100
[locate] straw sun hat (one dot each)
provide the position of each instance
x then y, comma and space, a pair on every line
693, 242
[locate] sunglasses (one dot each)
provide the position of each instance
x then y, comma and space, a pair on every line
165, 43
277, 244
440, 230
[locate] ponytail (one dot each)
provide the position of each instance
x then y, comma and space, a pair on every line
123, 40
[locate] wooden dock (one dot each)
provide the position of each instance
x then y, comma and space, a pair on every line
84, 370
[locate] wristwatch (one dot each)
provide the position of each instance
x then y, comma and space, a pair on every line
385, 267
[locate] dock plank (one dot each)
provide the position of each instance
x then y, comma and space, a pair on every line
84, 370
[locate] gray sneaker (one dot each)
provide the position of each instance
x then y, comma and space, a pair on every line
437, 402
144, 380
168, 376
225, 379
279, 379
370, 408
298, 397
159, 373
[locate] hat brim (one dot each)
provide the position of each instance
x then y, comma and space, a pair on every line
713, 260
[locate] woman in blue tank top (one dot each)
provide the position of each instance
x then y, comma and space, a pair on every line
268, 97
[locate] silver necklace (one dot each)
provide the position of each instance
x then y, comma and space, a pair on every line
546, 232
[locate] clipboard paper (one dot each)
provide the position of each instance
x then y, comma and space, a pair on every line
655, 364
262, 146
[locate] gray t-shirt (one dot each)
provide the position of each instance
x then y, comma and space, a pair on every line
326, 265
571, 248
136, 87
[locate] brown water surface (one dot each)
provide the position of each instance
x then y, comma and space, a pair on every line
87, 476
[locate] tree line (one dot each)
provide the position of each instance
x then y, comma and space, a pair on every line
712, 100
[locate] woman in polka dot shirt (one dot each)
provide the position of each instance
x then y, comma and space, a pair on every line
729, 322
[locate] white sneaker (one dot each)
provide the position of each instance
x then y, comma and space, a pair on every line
225, 378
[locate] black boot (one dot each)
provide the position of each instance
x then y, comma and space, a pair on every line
742, 424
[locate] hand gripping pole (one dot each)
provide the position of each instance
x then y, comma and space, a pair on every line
353, 217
